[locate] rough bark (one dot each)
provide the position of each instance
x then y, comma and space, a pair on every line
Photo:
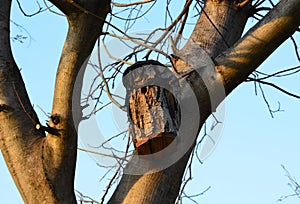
153, 111
43, 167
21, 142
163, 186
232, 66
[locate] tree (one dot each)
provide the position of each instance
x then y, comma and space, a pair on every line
43, 165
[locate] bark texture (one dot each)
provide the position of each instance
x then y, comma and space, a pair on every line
152, 110
163, 186
218, 32
43, 166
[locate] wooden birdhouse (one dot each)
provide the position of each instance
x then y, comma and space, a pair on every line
153, 111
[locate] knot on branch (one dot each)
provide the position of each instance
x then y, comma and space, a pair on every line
55, 119
5, 108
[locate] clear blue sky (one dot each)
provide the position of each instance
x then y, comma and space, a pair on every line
246, 164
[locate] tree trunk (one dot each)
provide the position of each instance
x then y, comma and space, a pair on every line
43, 166
235, 58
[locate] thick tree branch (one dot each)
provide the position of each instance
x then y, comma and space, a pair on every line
163, 186
247, 54
20, 142
60, 151
42, 167
213, 33
220, 25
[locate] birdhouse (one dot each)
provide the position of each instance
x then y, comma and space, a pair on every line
153, 111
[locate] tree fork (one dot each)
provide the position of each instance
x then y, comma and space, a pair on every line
214, 33
42, 167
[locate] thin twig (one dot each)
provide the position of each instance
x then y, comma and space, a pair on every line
186, 181
86, 199
132, 4
102, 154
293, 184
183, 23
117, 172
281, 73
275, 86
105, 82
30, 15
51, 10
171, 26
265, 99
114, 58
76, 5
135, 18
110, 184
142, 44
296, 48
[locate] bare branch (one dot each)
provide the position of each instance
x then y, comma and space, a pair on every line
102, 154
296, 48
86, 199
40, 9
171, 26
293, 184
142, 44
110, 184
51, 10
281, 73
274, 86
132, 4
105, 82
114, 58
186, 180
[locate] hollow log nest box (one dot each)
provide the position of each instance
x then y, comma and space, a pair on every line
153, 111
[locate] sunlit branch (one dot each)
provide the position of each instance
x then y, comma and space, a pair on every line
142, 44
114, 58
171, 26
102, 154
135, 18
105, 82
242, 4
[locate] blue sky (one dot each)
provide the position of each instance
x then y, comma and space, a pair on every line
246, 164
